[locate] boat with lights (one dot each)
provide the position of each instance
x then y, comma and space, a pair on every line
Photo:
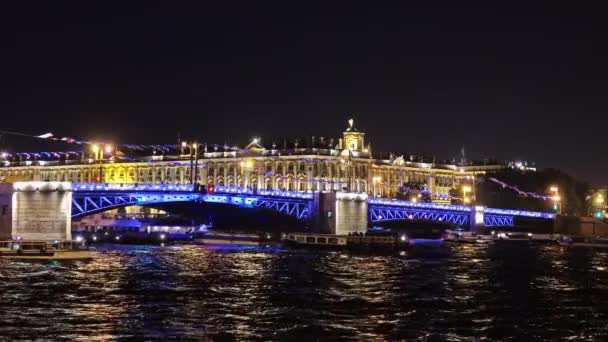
354, 241
467, 237
584, 241
45, 250
218, 237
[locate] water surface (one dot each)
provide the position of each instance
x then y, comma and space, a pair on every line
443, 292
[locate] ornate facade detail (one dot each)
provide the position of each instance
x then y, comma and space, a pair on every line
320, 165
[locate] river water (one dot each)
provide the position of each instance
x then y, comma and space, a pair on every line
440, 292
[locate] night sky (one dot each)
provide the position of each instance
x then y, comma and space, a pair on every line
507, 82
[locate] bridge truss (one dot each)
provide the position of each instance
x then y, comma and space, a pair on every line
90, 203
378, 214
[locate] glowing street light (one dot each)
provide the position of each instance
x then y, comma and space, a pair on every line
375, 181
556, 199
465, 190
109, 149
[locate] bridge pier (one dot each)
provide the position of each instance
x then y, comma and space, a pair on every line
477, 220
36, 210
339, 213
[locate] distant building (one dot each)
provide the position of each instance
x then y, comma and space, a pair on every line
313, 164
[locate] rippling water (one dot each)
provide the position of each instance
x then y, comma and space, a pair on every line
448, 292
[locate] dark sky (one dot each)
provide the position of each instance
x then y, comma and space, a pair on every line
509, 82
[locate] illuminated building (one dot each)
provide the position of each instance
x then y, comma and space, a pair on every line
315, 164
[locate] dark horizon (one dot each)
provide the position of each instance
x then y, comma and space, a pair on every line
505, 82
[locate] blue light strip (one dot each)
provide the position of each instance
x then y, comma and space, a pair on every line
423, 205
274, 193
131, 187
519, 213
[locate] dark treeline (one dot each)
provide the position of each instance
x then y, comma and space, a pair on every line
573, 193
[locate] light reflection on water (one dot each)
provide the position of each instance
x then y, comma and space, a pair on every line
454, 292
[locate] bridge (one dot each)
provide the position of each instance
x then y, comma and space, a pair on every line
43, 210
90, 198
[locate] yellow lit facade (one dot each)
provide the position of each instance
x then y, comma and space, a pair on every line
342, 164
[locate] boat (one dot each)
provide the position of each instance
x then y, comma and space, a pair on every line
316, 240
45, 250
459, 236
467, 237
584, 241
355, 242
513, 237
231, 238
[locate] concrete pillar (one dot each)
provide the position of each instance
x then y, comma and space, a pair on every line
339, 213
39, 210
476, 220
6, 210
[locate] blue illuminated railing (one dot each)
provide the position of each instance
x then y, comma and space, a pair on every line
422, 205
273, 193
232, 189
131, 187
519, 213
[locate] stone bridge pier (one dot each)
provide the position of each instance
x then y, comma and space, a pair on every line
339, 213
36, 210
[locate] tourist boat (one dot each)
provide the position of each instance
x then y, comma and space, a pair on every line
355, 242
459, 236
307, 240
231, 238
513, 237
467, 237
584, 241
44, 250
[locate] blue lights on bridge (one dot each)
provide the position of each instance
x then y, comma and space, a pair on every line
422, 205
273, 193
511, 212
76, 187
90, 198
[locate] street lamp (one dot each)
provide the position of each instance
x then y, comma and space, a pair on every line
599, 201
193, 147
98, 151
465, 190
375, 181
556, 199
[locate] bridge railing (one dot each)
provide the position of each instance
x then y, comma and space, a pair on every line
511, 212
85, 187
421, 205
273, 193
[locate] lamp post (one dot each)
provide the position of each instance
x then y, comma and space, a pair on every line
599, 201
193, 152
557, 206
375, 181
465, 190
99, 153
246, 167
